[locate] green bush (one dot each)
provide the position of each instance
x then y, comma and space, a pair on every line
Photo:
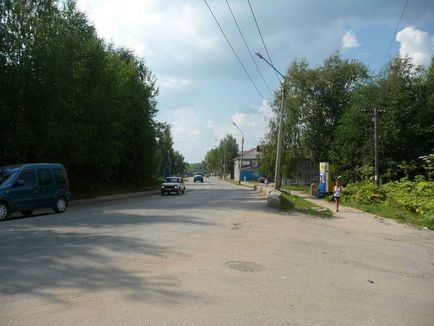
414, 197
363, 192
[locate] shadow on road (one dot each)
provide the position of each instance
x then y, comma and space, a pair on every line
80, 251
39, 259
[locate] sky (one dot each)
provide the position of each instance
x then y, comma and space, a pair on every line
203, 88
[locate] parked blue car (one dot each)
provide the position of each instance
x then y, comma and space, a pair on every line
26, 187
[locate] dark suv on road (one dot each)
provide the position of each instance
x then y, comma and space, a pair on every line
26, 187
198, 177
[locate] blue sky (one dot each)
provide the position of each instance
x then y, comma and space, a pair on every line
203, 88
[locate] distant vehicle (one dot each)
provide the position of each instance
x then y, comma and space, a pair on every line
198, 177
26, 187
173, 184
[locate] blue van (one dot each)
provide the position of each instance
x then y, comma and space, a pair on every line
26, 187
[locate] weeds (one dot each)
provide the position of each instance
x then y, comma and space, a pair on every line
290, 202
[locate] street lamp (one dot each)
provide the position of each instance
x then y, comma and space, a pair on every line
242, 149
279, 135
219, 159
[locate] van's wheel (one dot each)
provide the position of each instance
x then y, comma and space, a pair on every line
27, 213
60, 205
4, 211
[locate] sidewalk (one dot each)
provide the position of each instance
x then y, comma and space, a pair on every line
351, 214
323, 203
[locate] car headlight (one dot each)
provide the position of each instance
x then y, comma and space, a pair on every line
176, 187
162, 187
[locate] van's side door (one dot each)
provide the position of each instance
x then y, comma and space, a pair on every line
24, 192
47, 188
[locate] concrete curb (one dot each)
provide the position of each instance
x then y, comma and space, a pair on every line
273, 196
81, 202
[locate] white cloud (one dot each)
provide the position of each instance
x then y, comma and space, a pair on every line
416, 44
254, 125
173, 83
349, 40
157, 30
194, 135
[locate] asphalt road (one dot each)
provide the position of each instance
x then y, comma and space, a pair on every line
213, 256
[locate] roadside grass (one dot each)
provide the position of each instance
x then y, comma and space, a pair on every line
291, 202
305, 189
406, 201
396, 213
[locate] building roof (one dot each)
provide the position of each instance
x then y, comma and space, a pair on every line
250, 154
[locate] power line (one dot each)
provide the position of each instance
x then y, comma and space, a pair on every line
233, 50
260, 34
248, 48
396, 30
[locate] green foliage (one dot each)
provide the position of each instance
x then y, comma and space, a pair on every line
363, 192
328, 113
416, 198
195, 167
315, 100
66, 96
220, 159
305, 189
428, 165
405, 94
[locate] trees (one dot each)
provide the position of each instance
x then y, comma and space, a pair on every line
221, 159
66, 96
328, 114
315, 100
403, 92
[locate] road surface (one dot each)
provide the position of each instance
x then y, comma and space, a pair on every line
213, 256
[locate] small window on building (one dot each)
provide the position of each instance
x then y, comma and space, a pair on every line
45, 177
255, 164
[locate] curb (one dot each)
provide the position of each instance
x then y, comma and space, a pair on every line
81, 202
273, 196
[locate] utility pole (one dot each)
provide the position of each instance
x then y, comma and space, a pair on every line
376, 136
377, 173
242, 151
224, 164
279, 135
277, 179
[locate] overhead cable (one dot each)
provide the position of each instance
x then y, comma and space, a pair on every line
248, 48
235, 53
260, 34
396, 31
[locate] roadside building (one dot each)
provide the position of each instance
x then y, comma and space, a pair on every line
305, 172
250, 166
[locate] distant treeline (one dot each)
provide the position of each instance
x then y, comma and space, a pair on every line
66, 96
328, 116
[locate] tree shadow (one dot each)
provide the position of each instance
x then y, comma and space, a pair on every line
45, 261
48, 254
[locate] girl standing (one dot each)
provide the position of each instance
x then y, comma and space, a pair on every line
337, 193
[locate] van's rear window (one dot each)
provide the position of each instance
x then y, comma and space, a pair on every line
60, 176
45, 177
